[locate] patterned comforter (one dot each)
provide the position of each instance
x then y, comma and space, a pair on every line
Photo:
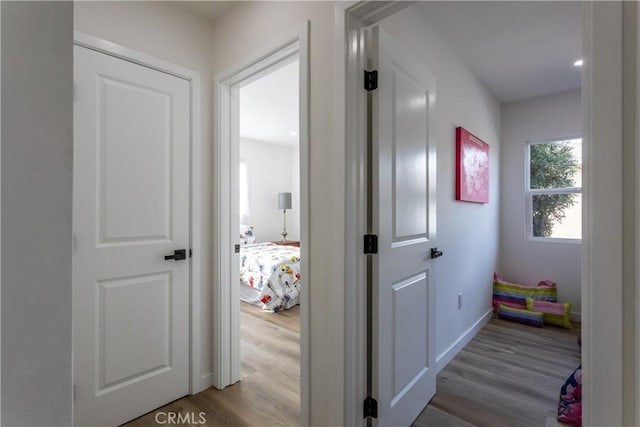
273, 271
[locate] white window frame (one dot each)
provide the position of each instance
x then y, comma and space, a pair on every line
243, 181
529, 192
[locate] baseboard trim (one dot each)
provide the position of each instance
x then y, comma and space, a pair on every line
206, 381
574, 316
445, 357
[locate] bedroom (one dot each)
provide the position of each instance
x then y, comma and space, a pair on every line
269, 182
269, 236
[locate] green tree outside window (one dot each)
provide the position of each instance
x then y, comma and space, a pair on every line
552, 165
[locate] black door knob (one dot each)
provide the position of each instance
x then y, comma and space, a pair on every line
178, 254
435, 253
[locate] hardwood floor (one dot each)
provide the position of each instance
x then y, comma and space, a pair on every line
268, 392
508, 375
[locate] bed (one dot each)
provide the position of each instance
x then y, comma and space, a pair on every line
270, 275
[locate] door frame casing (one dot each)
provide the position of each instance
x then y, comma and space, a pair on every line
637, 231
226, 319
637, 215
195, 184
602, 237
351, 126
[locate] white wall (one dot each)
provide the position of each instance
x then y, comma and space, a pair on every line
271, 170
524, 260
37, 142
468, 233
255, 27
631, 216
168, 32
0, 213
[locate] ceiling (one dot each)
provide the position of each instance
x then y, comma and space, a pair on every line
209, 10
269, 107
518, 50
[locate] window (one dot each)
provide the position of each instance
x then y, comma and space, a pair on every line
244, 193
554, 189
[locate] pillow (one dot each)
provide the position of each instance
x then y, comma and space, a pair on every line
570, 405
532, 318
513, 295
555, 313
246, 235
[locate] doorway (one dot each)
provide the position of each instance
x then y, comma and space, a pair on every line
602, 137
451, 299
262, 184
269, 237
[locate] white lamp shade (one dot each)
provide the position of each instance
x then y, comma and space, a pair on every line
284, 200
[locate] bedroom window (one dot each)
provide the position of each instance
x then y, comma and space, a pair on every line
554, 190
244, 193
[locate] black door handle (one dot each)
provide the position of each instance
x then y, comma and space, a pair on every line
178, 254
435, 253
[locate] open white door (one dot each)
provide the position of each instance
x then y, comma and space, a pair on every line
130, 210
403, 217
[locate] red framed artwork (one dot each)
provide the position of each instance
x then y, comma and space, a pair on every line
472, 167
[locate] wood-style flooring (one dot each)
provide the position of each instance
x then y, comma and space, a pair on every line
508, 375
268, 392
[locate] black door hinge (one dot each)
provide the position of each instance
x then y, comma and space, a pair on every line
370, 244
370, 80
370, 408
190, 253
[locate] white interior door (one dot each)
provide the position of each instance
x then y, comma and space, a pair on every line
403, 216
131, 209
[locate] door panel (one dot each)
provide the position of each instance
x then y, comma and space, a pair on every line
410, 332
403, 208
131, 208
409, 156
133, 327
134, 200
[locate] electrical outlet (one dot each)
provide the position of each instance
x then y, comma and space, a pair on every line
459, 301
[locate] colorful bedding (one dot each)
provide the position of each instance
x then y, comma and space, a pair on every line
270, 275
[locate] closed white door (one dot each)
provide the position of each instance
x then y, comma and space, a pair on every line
130, 210
403, 215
